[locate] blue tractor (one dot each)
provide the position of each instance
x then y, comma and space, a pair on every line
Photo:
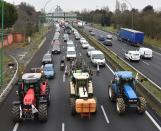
122, 91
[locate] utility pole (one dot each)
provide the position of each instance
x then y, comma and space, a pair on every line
1, 49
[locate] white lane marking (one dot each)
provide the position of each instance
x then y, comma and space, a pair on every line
110, 68
16, 127
152, 119
64, 78
63, 127
105, 115
147, 113
146, 63
80, 54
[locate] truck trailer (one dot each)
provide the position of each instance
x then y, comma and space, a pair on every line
131, 36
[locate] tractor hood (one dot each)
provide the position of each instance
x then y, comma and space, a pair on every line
29, 98
129, 92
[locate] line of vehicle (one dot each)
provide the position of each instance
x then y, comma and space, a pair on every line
105, 115
147, 113
16, 127
63, 126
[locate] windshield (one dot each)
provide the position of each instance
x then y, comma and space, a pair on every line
91, 49
71, 52
98, 56
70, 45
47, 57
48, 69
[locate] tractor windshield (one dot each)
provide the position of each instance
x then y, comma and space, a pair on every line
81, 83
127, 81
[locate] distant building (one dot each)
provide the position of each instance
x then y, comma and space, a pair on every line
59, 15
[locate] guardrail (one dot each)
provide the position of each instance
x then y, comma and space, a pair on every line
146, 88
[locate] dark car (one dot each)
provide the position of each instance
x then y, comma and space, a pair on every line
107, 42
101, 38
47, 58
90, 30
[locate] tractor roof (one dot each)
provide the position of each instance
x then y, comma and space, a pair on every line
31, 76
124, 74
80, 75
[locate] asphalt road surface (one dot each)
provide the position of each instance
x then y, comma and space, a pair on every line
150, 68
60, 118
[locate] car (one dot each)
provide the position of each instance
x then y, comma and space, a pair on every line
92, 33
48, 71
90, 30
65, 37
82, 40
47, 58
132, 55
56, 49
101, 38
77, 36
71, 54
109, 36
107, 42
70, 42
145, 52
97, 58
85, 45
90, 48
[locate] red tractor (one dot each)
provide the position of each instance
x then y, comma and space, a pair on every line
34, 98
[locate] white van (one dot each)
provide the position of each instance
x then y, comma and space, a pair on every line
132, 55
97, 57
71, 53
145, 52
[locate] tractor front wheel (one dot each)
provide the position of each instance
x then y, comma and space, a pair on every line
141, 105
120, 106
111, 94
42, 112
16, 113
73, 110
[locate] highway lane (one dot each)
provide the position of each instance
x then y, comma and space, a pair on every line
59, 110
150, 68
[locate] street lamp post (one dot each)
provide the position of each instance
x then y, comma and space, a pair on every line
132, 15
1, 49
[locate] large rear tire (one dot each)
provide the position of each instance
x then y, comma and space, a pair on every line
141, 105
16, 113
111, 94
120, 106
42, 112
72, 103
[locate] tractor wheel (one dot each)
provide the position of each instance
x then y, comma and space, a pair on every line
111, 94
16, 113
120, 106
42, 112
72, 102
141, 105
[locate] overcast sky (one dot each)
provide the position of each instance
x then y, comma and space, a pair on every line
75, 5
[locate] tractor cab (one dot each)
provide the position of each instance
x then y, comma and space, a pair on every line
124, 80
81, 81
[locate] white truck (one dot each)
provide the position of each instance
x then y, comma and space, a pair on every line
71, 53
132, 55
97, 58
145, 52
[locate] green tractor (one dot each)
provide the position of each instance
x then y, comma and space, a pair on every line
122, 91
81, 94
